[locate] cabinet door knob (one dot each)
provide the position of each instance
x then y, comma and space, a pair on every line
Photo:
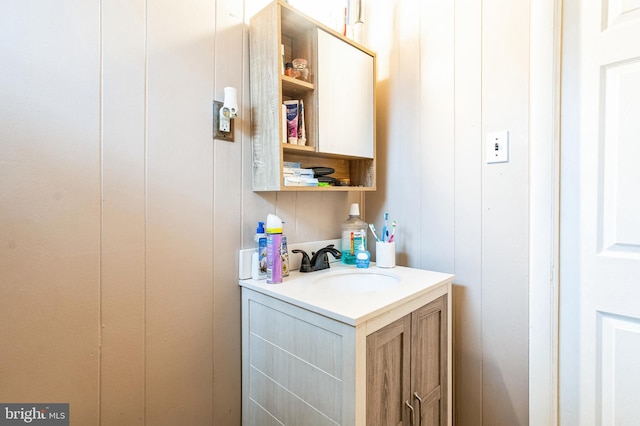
420, 401
413, 413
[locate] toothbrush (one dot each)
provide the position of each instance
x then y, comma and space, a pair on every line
394, 224
385, 228
373, 231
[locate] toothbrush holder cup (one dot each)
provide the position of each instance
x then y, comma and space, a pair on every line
385, 254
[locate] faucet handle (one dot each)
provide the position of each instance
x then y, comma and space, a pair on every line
305, 264
320, 260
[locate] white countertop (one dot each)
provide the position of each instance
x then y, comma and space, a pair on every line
343, 304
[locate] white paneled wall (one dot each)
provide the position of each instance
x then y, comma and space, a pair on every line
124, 150
449, 73
50, 203
505, 215
229, 58
468, 219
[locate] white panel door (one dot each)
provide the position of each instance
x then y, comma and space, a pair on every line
345, 98
600, 219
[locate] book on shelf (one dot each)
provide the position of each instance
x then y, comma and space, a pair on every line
300, 181
296, 171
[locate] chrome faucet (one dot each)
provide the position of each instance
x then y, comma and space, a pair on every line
319, 260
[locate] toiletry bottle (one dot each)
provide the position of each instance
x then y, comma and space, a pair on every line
354, 234
274, 247
285, 257
259, 258
363, 257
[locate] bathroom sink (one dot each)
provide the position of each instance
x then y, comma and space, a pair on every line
357, 281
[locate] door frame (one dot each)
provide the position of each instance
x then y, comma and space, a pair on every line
544, 209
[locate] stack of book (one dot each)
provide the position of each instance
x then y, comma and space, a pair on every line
296, 176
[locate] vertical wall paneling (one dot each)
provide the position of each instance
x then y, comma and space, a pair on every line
179, 252
123, 42
230, 42
435, 115
415, 128
505, 199
457, 71
468, 227
50, 204
383, 17
405, 100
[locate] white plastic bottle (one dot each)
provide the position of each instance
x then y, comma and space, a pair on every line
354, 234
259, 258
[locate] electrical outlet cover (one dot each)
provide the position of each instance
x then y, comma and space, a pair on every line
217, 133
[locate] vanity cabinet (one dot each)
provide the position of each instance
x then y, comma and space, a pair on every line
338, 98
407, 369
303, 367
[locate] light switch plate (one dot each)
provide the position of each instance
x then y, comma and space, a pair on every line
497, 147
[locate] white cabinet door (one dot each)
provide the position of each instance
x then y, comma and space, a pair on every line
345, 98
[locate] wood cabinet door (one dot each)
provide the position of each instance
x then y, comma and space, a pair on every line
345, 88
388, 374
429, 362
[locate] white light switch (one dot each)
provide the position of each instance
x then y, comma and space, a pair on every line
498, 147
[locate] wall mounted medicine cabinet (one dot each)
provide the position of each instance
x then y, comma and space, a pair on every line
338, 97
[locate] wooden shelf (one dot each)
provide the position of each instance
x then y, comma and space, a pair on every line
294, 85
298, 148
327, 188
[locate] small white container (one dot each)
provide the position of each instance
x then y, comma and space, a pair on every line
385, 254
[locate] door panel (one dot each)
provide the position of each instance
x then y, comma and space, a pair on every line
620, 233
345, 98
619, 369
617, 12
429, 361
388, 380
